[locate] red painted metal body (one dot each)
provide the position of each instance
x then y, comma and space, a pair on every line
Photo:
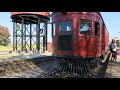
88, 45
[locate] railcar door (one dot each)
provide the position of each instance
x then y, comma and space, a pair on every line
97, 48
65, 36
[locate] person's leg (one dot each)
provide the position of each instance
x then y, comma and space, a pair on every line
112, 56
116, 58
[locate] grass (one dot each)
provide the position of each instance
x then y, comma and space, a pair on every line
9, 55
10, 48
33, 46
14, 54
5, 48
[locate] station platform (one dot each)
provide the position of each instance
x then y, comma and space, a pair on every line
113, 69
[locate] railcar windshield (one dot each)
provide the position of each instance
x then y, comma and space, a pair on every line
65, 26
85, 27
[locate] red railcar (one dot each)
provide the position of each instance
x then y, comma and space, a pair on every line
79, 34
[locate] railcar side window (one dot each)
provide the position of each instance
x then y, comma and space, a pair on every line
65, 26
54, 29
85, 27
96, 28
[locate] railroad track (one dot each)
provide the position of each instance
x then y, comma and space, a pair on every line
19, 67
79, 68
74, 67
51, 67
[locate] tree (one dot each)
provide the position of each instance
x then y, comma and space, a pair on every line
4, 36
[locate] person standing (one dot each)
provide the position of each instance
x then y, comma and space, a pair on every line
113, 49
113, 46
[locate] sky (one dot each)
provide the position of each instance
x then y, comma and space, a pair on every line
111, 19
